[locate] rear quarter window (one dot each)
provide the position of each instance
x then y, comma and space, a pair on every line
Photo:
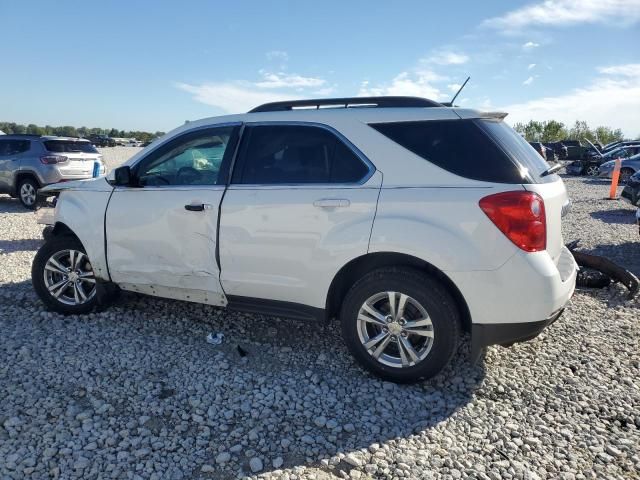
482, 150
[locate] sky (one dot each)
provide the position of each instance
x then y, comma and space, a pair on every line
151, 65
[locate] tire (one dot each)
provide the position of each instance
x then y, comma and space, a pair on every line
62, 290
432, 351
28, 193
625, 174
591, 170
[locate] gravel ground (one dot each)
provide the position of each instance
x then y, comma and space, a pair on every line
136, 392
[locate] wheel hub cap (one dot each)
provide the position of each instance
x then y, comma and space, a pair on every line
395, 329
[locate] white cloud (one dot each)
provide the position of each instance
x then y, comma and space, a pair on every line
530, 45
446, 57
283, 80
453, 87
278, 55
611, 101
628, 70
418, 84
567, 12
528, 81
242, 95
531, 66
233, 97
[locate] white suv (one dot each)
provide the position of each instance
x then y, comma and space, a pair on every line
408, 220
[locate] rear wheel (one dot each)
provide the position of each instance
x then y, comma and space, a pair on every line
28, 193
400, 324
62, 276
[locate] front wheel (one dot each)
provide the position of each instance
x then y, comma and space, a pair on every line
592, 170
63, 278
625, 175
400, 324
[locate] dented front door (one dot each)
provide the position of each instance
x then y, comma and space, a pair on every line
162, 241
161, 231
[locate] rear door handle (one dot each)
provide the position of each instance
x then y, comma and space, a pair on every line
198, 208
331, 202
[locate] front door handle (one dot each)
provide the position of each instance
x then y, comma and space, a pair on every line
198, 207
331, 202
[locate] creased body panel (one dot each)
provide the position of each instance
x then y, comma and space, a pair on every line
83, 212
154, 240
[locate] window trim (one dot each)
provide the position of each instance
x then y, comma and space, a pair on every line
224, 174
240, 160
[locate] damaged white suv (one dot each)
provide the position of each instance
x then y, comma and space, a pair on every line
408, 220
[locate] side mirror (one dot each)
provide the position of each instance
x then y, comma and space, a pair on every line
122, 176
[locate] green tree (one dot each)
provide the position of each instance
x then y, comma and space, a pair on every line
553, 131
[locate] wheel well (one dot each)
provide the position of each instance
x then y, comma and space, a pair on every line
358, 267
22, 175
61, 229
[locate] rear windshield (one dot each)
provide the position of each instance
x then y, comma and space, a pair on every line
485, 150
69, 146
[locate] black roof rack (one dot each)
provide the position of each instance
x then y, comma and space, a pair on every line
379, 102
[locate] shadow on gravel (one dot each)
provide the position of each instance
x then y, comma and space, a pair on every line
11, 205
626, 254
624, 216
9, 246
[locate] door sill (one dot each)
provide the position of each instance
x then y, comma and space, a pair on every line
275, 308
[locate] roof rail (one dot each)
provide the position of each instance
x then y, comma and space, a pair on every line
379, 102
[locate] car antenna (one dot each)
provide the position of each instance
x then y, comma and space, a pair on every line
458, 92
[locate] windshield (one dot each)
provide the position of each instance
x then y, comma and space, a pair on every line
69, 146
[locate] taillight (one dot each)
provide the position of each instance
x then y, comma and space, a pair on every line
520, 216
53, 159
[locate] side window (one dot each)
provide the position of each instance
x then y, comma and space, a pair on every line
195, 158
296, 154
14, 147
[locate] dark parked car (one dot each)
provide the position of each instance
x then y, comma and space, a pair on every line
544, 151
560, 150
590, 165
575, 150
631, 191
102, 140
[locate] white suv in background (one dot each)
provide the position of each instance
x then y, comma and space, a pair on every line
408, 220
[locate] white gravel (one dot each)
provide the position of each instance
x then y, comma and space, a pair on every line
136, 391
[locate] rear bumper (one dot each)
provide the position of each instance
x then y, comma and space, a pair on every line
506, 334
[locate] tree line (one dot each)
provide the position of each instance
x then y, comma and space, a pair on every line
68, 131
554, 131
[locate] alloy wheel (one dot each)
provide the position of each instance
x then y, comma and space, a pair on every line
395, 329
28, 194
69, 278
592, 170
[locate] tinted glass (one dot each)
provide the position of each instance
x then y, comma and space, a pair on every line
192, 159
530, 163
461, 147
285, 154
13, 147
69, 146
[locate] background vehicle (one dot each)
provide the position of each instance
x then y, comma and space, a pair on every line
591, 165
561, 151
102, 141
29, 162
631, 191
544, 151
305, 213
628, 167
575, 150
